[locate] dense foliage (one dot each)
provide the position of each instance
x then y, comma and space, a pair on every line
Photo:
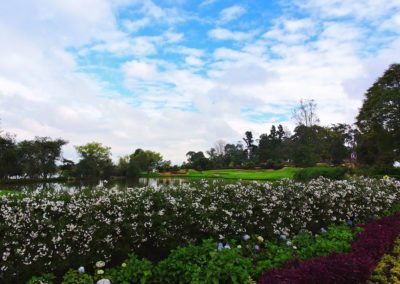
388, 268
379, 120
29, 158
55, 229
307, 146
315, 172
354, 267
244, 261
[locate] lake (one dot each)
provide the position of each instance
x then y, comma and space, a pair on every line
143, 181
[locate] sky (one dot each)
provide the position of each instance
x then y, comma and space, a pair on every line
177, 75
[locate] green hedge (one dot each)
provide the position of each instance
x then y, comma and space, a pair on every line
307, 174
378, 171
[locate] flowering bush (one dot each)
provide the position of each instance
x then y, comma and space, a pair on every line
43, 231
353, 267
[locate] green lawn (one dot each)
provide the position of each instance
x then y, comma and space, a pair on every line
237, 174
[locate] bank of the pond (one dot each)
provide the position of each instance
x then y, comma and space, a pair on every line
261, 174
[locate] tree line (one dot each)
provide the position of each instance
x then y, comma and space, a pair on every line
373, 140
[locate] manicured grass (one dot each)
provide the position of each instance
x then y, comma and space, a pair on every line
236, 174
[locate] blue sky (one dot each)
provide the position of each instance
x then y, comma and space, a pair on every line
178, 75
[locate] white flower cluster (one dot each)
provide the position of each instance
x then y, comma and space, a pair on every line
52, 228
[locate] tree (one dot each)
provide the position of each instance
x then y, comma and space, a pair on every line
270, 147
379, 120
305, 114
197, 160
8, 156
219, 147
235, 155
307, 145
248, 139
95, 160
146, 160
38, 157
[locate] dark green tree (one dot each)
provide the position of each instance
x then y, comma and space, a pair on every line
38, 157
197, 160
379, 120
9, 156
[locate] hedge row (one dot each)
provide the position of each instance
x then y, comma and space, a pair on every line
308, 174
354, 267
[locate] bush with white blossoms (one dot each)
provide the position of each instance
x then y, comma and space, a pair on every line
44, 231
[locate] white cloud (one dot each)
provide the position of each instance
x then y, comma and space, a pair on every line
136, 25
225, 34
231, 13
43, 92
140, 70
195, 61
364, 10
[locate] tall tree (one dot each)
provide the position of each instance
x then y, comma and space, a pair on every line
249, 140
379, 120
95, 160
306, 113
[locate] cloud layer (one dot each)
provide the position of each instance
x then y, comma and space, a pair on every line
179, 76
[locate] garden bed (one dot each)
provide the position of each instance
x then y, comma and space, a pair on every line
53, 231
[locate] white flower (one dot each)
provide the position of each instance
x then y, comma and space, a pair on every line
100, 264
246, 237
103, 281
81, 269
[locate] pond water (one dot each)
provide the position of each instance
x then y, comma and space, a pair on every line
123, 183
109, 184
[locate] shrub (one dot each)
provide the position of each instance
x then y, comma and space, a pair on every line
271, 164
48, 278
354, 267
307, 174
337, 238
132, 270
51, 231
378, 171
74, 277
388, 268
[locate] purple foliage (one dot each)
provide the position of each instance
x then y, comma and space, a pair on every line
355, 267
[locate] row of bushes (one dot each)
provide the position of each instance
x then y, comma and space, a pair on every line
354, 267
52, 230
244, 261
308, 174
338, 173
377, 171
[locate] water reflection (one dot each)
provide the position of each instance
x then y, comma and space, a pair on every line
77, 185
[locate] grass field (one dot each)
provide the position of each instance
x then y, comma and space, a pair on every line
236, 174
